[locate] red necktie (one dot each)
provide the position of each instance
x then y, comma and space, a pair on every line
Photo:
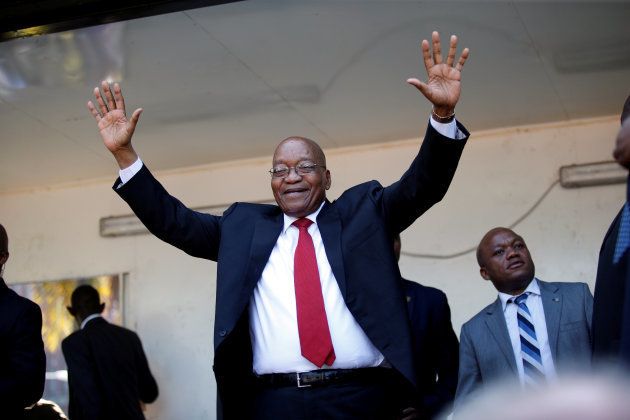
315, 340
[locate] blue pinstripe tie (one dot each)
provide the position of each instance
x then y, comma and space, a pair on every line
530, 352
623, 236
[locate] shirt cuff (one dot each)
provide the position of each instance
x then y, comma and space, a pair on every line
128, 173
448, 129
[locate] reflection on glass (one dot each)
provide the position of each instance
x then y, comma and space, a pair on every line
71, 58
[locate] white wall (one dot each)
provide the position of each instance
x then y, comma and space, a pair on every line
170, 296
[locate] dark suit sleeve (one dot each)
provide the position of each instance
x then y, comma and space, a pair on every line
147, 386
469, 373
425, 182
23, 382
85, 393
446, 359
197, 234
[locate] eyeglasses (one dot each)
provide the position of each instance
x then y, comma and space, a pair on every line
302, 168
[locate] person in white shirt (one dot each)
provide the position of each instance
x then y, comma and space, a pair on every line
310, 317
532, 331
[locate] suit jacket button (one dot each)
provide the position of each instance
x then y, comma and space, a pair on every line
222, 333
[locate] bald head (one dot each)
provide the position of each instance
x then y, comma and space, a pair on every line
504, 259
486, 239
299, 178
85, 301
317, 151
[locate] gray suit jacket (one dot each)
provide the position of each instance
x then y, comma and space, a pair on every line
485, 350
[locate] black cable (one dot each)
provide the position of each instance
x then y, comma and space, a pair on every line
473, 248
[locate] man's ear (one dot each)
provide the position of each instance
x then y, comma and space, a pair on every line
4, 257
71, 310
484, 273
101, 307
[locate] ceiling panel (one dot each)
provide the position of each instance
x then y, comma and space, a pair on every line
228, 82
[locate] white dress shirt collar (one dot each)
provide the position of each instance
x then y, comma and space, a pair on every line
89, 318
532, 288
288, 220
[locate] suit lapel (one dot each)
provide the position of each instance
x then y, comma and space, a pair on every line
264, 238
329, 224
552, 306
495, 321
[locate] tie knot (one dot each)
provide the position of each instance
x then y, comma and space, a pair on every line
303, 223
520, 298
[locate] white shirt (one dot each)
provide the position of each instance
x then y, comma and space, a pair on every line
535, 306
273, 317
272, 312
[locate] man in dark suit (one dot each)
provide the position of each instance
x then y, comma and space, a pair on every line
611, 310
310, 318
434, 343
532, 331
108, 372
22, 356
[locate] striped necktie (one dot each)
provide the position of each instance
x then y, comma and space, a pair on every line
530, 352
623, 236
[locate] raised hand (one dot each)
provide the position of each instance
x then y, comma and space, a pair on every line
116, 130
443, 86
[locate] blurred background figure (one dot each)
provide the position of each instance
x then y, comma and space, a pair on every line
611, 310
574, 397
435, 346
22, 357
108, 372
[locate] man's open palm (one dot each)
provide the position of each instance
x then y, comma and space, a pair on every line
443, 85
115, 128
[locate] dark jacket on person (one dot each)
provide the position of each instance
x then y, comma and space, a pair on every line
435, 347
108, 373
22, 357
356, 231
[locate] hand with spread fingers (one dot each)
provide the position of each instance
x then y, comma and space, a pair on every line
443, 86
116, 130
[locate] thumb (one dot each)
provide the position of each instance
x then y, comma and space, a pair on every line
135, 117
421, 86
